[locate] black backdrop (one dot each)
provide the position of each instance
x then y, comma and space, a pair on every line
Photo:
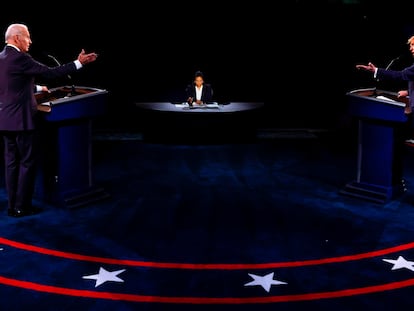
150, 51
302, 56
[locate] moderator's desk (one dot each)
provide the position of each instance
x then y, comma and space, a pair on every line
214, 108
214, 122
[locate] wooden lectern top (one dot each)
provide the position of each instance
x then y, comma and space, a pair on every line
377, 105
45, 100
71, 102
382, 95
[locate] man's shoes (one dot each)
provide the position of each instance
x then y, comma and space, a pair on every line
16, 213
26, 212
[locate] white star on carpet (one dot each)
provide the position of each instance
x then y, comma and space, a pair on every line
265, 281
401, 263
104, 276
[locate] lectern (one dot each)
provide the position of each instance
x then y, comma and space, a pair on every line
65, 174
381, 123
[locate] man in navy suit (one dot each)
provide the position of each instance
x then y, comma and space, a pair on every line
406, 74
198, 92
18, 108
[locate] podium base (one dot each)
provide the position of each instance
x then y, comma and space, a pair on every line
83, 198
373, 193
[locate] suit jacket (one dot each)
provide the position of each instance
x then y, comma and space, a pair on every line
407, 74
206, 94
18, 71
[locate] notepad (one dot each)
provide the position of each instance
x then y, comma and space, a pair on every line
385, 98
196, 106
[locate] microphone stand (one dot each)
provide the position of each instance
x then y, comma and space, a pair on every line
386, 68
72, 90
392, 62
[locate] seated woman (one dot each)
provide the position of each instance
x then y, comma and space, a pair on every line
199, 93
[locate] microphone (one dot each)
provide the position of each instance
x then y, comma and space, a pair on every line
73, 91
392, 62
54, 59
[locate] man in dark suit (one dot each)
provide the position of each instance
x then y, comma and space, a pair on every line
198, 92
406, 74
18, 108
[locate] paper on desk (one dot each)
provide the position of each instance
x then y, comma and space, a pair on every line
182, 105
209, 105
385, 98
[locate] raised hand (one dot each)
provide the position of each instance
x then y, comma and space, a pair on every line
86, 58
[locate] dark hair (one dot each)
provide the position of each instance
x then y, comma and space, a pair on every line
198, 73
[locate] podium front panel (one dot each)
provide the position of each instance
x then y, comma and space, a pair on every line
66, 175
381, 124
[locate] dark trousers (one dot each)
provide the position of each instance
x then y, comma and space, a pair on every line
20, 168
409, 127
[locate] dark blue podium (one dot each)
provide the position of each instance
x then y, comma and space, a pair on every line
65, 173
381, 124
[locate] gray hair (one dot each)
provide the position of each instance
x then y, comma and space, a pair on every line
14, 29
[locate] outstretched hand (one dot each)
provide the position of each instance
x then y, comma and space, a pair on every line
370, 67
86, 58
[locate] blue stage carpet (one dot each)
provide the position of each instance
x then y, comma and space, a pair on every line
259, 226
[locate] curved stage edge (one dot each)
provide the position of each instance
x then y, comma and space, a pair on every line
213, 123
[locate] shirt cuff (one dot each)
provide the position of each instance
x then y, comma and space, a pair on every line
78, 64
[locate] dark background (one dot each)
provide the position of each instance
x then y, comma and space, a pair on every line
329, 39
301, 54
